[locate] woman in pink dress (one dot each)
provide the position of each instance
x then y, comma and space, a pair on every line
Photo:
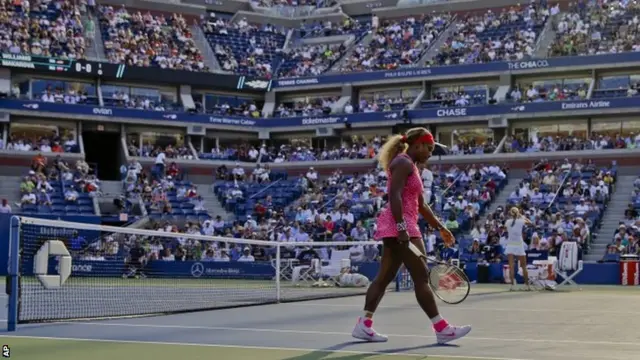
397, 224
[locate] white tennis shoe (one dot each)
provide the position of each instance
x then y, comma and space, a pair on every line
451, 333
364, 331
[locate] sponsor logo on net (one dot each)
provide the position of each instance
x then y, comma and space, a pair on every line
198, 269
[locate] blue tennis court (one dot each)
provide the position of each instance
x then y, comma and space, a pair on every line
516, 325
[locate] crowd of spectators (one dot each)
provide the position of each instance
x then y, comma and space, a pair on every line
590, 28
396, 43
162, 190
159, 152
57, 186
456, 99
312, 107
564, 201
328, 28
53, 143
242, 47
509, 35
149, 40
550, 143
122, 99
309, 60
43, 28
379, 104
347, 150
552, 93
58, 95
352, 149
313, 3
473, 146
626, 239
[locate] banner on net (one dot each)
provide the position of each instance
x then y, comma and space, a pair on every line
262, 270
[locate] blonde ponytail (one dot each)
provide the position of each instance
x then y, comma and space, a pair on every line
390, 150
398, 144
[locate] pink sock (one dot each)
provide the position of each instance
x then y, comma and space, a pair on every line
440, 325
368, 322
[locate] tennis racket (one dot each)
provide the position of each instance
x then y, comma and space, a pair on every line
448, 282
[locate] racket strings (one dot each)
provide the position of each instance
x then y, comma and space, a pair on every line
449, 283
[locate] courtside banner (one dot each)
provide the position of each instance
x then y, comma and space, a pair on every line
413, 73
629, 105
259, 270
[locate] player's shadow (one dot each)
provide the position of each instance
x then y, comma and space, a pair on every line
335, 350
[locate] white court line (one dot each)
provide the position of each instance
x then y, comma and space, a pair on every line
226, 346
476, 309
331, 333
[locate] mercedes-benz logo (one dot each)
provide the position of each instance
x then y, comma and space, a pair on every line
197, 270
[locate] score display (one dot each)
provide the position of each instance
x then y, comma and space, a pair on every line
52, 64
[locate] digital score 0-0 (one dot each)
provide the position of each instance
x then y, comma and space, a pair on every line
50, 64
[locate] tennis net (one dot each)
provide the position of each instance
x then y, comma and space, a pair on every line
68, 271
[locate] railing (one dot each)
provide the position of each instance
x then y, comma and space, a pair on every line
440, 197
567, 174
265, 189
328, 202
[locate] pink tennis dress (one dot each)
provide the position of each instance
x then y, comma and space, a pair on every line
411, 193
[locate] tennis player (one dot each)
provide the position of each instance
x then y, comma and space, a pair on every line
516, 247
397, 224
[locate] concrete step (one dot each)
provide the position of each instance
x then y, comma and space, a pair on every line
592, 257
213, 206
111, 188
10, 188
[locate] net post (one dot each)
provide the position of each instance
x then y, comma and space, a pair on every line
398, 275
14, 273
278, 272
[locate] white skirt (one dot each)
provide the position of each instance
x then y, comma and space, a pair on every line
515, 249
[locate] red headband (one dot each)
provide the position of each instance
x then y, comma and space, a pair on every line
424, 139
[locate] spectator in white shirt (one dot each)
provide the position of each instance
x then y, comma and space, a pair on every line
71, 195
199, 204
356, 253
28, 198
427, 180
160, 162
246, 256
312, 174
582, 208
168, 256
5, 208
238, 172
222, 256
